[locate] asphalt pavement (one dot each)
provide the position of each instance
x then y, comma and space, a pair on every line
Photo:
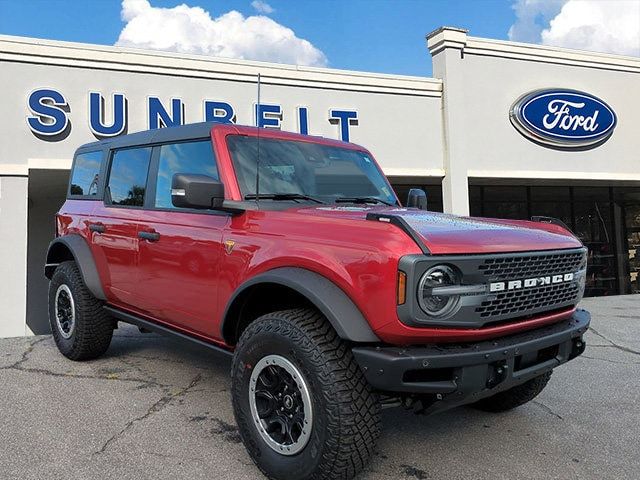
158, 408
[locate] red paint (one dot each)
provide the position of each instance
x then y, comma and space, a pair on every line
186, 279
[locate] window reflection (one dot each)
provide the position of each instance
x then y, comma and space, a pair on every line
189, 157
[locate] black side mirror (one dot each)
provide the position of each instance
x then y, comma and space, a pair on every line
417, 198
196, 191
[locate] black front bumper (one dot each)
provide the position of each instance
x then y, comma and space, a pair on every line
456, 374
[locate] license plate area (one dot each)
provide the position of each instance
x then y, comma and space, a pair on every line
530, 359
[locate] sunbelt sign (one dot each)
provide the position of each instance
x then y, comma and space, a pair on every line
50, 115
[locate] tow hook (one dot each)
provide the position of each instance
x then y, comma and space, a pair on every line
577, 348
497, 373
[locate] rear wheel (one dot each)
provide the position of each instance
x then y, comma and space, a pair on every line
302, 405
514, 397
81, 328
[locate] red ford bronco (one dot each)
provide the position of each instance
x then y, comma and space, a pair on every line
292, 253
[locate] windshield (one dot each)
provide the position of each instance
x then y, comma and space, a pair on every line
302, 168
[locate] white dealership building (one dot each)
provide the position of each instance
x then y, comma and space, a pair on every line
503, 129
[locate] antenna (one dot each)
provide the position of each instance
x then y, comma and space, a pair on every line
258, 114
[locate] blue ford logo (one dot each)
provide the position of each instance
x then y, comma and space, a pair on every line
563, 118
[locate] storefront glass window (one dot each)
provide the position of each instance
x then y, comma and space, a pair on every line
627, 209
592, 225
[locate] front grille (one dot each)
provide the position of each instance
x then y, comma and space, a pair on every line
502, 287
528, 266
523, 301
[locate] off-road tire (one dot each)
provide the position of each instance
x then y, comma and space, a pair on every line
93, 327
514, 397
346, 412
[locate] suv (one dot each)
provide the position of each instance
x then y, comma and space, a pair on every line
293, 254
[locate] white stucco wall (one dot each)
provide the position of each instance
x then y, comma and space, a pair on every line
13, 255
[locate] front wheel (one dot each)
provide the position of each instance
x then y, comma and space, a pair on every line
302, 404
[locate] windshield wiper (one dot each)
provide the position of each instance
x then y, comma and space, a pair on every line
363, 200
282, 196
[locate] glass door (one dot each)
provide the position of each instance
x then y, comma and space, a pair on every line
628, 199
593, 225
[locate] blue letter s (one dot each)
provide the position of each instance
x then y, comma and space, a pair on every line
49, 112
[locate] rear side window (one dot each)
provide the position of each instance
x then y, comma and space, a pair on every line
128, 177
86, 174
189, 157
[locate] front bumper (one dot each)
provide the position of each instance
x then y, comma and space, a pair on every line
456, 374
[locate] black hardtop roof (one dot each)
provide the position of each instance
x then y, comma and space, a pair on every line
159, 135
192, 131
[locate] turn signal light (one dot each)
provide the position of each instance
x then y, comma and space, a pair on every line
402, 288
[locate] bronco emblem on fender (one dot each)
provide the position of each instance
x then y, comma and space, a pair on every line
228, 246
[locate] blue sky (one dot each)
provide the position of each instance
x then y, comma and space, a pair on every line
371, 35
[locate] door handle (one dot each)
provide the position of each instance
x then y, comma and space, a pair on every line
149, 236
97, 227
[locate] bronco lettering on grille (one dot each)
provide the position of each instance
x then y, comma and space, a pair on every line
530, 282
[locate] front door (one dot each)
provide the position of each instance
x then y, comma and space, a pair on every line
180, 249
114, 227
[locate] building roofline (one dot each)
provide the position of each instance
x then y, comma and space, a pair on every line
449, 37
438, 30
33, 50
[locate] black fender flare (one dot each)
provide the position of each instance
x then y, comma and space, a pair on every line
345, 317
83, 257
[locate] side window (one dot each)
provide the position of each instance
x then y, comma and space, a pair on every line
86, 174
128, 177
189, 157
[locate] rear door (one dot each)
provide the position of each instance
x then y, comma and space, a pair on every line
181, 249
114, 224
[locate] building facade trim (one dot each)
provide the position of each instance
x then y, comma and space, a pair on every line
414, 172
144, 61
546, 54
49, 163
14, 170
546, 174
448, 37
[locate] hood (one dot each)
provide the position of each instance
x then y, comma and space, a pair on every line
444, 234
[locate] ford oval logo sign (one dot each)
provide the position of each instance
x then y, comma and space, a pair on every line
563, 118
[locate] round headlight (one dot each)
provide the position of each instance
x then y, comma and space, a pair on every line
437, 305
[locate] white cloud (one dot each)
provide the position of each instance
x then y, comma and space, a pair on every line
262, 7
532, 16
611, 26
188, 29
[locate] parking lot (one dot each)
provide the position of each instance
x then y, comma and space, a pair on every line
156, 408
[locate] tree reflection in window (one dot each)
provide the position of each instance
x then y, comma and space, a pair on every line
128, 176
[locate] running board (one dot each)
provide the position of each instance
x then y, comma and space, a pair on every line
139, 322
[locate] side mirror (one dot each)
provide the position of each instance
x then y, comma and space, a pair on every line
417, 198
196, 191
